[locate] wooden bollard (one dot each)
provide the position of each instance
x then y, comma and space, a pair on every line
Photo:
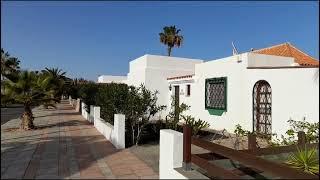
186, 148
301, 138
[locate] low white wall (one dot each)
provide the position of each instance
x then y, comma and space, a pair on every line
115, 134
171, 157
84, 112
75, 103
171, 154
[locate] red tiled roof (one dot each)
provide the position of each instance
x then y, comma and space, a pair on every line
180, 77
288, 50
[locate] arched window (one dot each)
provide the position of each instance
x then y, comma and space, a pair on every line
262, 108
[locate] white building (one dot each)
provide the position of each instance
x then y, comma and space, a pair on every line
112, 79
260, 90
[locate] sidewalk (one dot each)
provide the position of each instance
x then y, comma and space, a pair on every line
65, 146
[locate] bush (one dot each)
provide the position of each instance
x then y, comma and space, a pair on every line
112, 99
138, 104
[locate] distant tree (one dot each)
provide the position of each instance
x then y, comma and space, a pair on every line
9, 64
9, 69
57, 80
171, 38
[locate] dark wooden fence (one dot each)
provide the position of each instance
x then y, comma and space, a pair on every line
247, 158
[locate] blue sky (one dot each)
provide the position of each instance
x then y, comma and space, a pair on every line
88, 39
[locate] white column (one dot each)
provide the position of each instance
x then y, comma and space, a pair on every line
96, 117
90, 115
69, 99
171, 154
83, 110
96, 112
119, 131
78, 105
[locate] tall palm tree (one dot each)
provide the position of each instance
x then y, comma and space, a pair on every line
30, 89
170, 37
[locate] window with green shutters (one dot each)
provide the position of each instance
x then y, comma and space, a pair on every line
216, 95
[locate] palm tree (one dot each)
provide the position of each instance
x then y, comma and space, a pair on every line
170, 37
57, 80
9, 64
9, 69
30, 89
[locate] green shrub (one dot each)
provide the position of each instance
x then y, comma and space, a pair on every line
138, 104
112, 99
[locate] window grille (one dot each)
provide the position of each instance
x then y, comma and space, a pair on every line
216, 93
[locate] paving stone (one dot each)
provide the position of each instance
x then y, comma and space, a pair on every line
65, 147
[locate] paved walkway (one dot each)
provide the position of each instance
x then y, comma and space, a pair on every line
65, 146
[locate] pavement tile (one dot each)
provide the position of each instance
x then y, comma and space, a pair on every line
66, 146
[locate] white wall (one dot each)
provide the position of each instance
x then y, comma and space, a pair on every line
234, 70
110, 79
295, 92
115, 134
257, 60
171, 154
183, 97
171, 157
295, 95
153, 71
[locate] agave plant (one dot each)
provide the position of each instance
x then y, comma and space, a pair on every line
305, 160
195, 125
29, 89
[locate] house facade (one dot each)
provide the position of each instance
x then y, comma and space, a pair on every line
260, 90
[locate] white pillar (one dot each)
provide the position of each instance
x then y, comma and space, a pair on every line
78, 105
96, 112
119, 131
171, 154
69, 99
83, 110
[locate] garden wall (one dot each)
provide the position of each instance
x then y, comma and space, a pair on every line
114, 133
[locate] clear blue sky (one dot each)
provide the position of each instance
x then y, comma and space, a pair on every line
88, 39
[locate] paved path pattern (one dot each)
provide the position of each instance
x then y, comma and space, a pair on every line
65, 146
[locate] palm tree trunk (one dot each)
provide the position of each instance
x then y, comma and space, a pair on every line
169, 50
27, 119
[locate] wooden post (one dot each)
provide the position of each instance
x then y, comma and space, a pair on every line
301, 138
186, 148
252, 142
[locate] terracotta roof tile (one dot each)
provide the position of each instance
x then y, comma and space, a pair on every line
180, 77
288, 50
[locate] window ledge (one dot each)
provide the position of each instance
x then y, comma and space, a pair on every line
217, 112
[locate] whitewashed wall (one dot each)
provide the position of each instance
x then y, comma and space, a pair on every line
295, 92
171, 157
154, 70
109, 79
115, 134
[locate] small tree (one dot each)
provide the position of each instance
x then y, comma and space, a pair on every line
141, 106
172, 119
